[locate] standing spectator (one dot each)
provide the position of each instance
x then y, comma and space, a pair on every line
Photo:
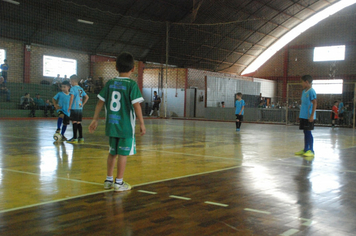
27, 103
261, 105
4, 90
57, 81
41, 105
156, 102
4, 68
88, 84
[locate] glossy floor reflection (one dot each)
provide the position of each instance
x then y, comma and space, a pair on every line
189, 178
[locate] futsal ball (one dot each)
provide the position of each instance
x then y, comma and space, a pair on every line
57, 137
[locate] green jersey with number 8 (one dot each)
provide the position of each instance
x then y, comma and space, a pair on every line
119, 95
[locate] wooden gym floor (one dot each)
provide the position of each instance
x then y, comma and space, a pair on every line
188, 178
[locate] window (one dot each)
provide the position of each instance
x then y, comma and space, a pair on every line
2, 56
328, 86
332, 53
52, 66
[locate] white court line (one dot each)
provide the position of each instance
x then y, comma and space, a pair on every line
189, 154
257, 211
53, 201
52, 176
179, 197
289, 232
148, 192
216, 204
88, 194
186, 176
308, 222
177, 153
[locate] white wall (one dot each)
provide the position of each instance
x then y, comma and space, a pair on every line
268, 87
175, 100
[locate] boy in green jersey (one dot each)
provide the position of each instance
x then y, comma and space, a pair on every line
121, 97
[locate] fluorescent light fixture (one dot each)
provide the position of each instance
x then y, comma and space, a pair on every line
331, 53
85, 22
11, 1
295, 32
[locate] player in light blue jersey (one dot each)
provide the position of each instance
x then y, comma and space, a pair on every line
61, 103
307, 116
239, 110
78, 98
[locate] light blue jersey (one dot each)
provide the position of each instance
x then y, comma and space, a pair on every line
341, 108
63, 101
78, 93
307, 106
239, 105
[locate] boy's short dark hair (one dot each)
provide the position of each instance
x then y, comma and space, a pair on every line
74, 77
26, 94
239, 94
335, 102
66, 83
125, 62
307, 78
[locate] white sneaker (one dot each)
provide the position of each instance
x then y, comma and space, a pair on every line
108, 184
121, 187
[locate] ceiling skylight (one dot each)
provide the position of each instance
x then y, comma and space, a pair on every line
295, 32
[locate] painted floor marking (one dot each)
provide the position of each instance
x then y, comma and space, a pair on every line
186, 176
53, 201
88, 194
148, 192
257, 211
52, 176
179, 197
190, 154
289, 232
308, 222
216, 204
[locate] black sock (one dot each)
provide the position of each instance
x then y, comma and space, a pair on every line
80, 129
75, 129
239, 125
